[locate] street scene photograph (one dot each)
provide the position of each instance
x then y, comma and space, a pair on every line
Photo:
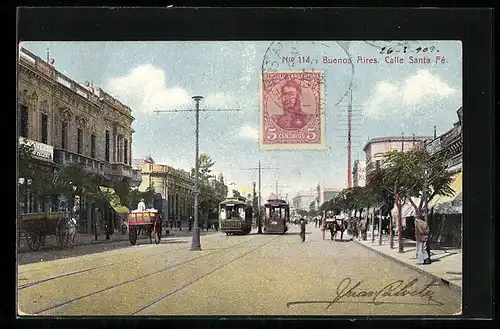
236, 178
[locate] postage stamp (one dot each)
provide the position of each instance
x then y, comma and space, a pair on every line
292, 110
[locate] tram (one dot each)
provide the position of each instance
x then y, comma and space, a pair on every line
277, 216
235, 216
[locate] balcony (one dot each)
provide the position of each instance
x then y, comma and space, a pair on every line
121, 169
66, 158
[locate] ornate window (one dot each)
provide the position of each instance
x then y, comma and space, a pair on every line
45, 128
79, 141
107, 142
92, 146
23, 120
64, 135
125, 151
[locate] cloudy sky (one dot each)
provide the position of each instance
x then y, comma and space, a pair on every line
388, 99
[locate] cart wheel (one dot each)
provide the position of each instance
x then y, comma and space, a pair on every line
132, 235
34, 239
157, 231
63, 239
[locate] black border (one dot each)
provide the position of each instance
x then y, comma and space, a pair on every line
472, 26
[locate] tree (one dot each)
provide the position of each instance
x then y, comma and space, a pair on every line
205, 164
208, 197
409, 170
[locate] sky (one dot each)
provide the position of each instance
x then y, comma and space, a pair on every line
388, 99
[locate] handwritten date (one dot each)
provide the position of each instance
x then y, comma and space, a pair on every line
406, 49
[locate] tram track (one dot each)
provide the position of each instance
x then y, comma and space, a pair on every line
35, 283
38, 269
168, 268
149, 305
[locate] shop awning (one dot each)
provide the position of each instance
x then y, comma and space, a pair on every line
456, 185
114, 200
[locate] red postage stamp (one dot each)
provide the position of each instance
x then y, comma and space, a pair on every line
292, 114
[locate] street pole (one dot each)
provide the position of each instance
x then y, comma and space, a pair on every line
424, 194
196, 244
259, 168
260, 202
380, 226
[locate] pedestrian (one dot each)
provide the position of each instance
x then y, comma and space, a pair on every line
422, 235
179, 225
190, 223
141, 206
363, 229
302, 223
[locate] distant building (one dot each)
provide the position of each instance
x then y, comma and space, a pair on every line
325, 194
359, 173
303, 200
217, 183
376, 148
176, 187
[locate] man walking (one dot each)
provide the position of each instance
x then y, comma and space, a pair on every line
362, 226
422, 236
302, 223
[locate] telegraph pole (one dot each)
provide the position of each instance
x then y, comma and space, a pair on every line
196, 244
349, 116
277, 186
259, 168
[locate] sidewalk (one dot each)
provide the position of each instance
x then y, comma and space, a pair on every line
446, 263
89, 239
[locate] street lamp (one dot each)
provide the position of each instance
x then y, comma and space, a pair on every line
196, 244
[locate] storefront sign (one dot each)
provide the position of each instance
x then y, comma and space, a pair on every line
40, 150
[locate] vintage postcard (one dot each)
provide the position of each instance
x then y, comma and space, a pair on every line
319, 178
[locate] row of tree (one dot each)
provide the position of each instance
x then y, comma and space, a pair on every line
414, 177
47, 184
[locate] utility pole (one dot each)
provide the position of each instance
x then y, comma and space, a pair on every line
424, 193
349, 116
277, 188
402, 142
259, 168
196, 244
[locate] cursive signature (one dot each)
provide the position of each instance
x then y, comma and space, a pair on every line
346, 291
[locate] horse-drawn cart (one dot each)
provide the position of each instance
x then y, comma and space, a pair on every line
334, 225
36, 226
149, 220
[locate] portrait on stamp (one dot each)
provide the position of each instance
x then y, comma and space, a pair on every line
292, 110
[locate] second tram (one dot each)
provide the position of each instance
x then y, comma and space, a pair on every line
277, 216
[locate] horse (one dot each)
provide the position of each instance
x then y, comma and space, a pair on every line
335, 227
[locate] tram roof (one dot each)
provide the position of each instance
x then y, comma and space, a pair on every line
232, 201
276, 202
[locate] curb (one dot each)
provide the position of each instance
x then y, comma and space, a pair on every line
454, 287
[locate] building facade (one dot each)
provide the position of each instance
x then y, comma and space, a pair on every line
303, 200
219, 186
325, 194
376, 148
449, 146
359, 173
175, 186
80, 123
